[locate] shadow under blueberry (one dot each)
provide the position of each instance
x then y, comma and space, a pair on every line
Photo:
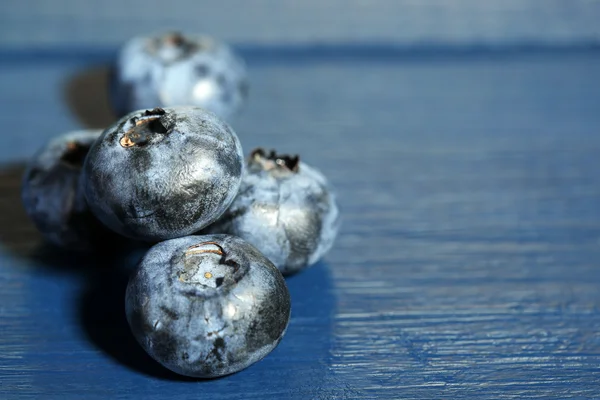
102, 317
86, 94
18, 235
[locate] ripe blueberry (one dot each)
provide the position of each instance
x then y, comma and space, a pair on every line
285, 208
207, 306
175, 70
163, 173
52, 193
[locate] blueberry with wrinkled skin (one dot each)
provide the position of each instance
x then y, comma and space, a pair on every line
163, 173
285, 208
207, 306
53, 197
173, 70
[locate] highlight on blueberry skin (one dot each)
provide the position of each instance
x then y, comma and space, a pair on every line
163, 173
53, 197
207, 306
285, 208
174, 69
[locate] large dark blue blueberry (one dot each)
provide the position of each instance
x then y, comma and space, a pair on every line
173, 70
207, 306
163, 173
53, 197
285, 208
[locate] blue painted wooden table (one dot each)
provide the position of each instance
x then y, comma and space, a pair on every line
468, 177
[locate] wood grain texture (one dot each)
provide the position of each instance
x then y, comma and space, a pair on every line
40, 23
467, 266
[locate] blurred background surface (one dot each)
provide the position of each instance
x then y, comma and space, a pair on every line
39, 23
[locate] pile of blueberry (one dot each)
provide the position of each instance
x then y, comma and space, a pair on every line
208, 298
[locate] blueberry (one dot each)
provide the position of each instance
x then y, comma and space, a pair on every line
207, 306
285, 208
174, 70
163, 173
52, 193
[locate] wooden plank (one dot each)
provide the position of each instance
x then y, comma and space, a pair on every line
39, 23
467, 266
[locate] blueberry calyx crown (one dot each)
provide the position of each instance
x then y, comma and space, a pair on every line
74, 155
272, 160
173, 46
207, 274
174, 39
144, 128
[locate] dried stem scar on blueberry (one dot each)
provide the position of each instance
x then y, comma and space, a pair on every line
173, 69
285, 208
144, 129
272, 161
163, 173
52, 193
207, 306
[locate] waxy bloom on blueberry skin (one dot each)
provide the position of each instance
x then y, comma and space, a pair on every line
207, 306
175, 69
53, 197
285, 208
163, 173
